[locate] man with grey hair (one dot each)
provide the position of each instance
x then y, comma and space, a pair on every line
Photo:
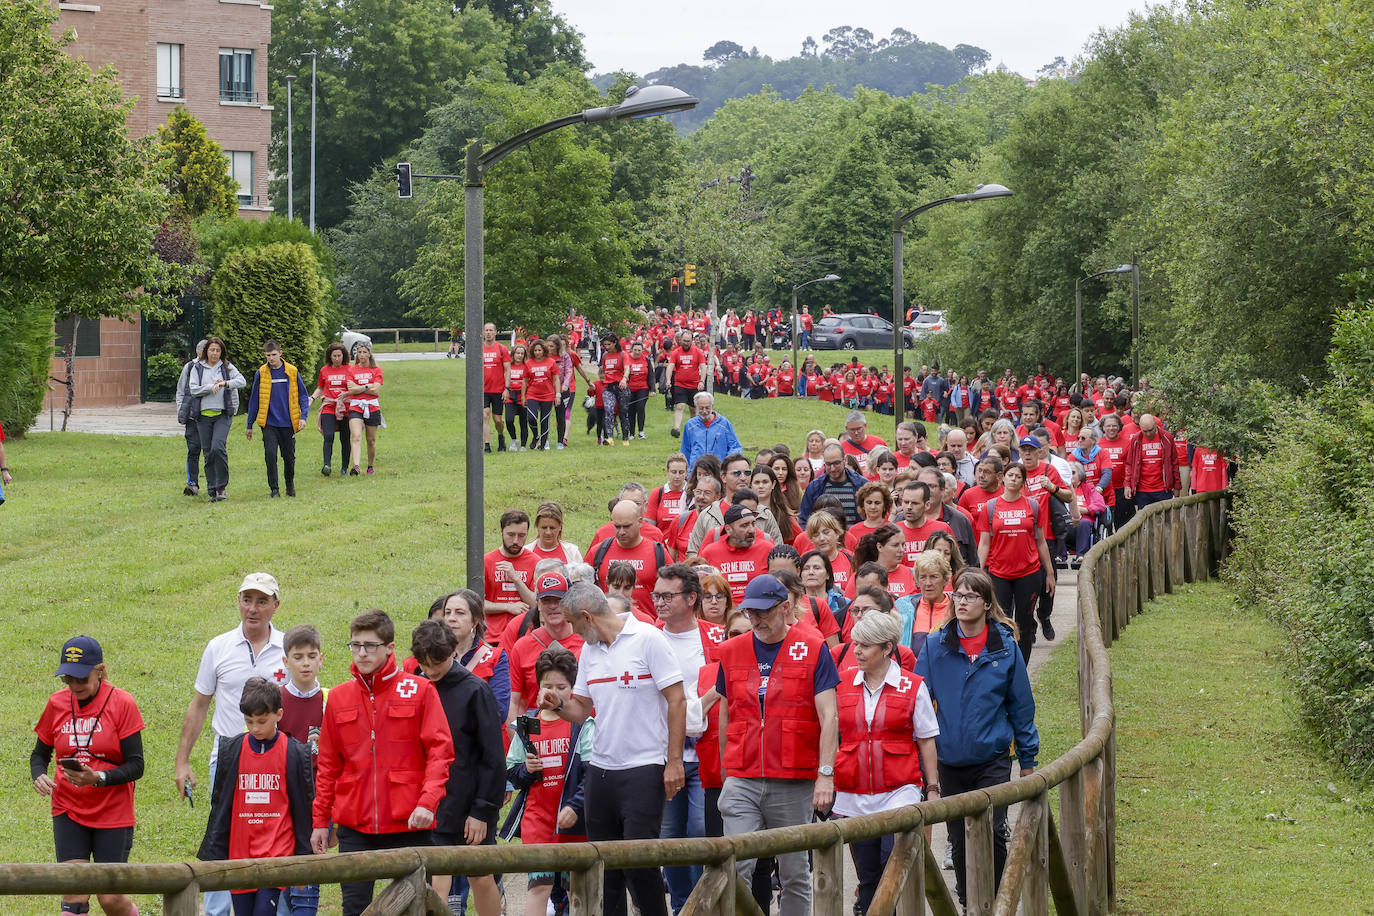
629, 675
956, 443
857, 441
708, 432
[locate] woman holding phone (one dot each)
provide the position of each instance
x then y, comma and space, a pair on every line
96, 731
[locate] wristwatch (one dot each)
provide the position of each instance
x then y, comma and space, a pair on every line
826, 770
101, 777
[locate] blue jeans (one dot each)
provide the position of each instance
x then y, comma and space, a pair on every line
301, 900
684, 815
804, 339
1149, 499
801, 385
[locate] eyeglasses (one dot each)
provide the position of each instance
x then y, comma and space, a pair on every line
663, 597
755, 612
365, 648
738, 473
834, 464
714, 596
965, 597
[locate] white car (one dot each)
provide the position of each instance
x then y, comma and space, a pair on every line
351, 340
929, 323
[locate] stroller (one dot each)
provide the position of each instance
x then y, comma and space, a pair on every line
782, 337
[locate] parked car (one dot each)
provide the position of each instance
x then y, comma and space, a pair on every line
351, 340
929, 323
853, 331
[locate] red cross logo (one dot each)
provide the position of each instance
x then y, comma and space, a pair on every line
279, 676
798, 651
406, 688
626, 679
904, 684
716, 633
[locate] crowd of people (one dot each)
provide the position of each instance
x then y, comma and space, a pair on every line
758, 640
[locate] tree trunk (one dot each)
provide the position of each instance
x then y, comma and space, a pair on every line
68, 357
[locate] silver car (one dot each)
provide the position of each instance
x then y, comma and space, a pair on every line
351, 340
928, 323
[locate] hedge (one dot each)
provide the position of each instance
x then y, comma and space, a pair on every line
26, 346
269, 292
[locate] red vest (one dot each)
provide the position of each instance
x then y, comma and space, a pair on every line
883, 756
708, 745
783, 742
260, 814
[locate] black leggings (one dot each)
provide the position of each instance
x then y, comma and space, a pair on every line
516, 412
1017, 598
561, 411
639, 401
539, 426
331, 427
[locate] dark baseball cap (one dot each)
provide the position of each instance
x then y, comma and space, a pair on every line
1031, 442
79, 655
735, 513
763, 592
551, 585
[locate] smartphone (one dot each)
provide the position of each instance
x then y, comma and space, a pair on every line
70, 763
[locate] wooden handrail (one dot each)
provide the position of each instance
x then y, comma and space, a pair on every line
1181, 540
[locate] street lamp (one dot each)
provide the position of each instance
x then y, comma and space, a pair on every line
1078, 315
796, 369
645, 102
982, 192
290, 158
314, 59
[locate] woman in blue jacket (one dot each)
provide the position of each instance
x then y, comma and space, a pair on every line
977, 676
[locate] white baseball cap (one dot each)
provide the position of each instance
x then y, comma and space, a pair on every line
260, 582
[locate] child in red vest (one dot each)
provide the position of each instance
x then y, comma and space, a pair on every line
260, 803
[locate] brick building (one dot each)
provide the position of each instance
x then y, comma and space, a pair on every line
209, 55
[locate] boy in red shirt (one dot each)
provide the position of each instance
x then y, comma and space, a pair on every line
260, 803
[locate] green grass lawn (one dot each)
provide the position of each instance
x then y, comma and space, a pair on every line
99, 540
1223, 806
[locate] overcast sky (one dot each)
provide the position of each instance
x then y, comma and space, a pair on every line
643, 36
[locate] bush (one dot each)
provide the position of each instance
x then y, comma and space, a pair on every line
1304, 554
270, 292
163, 371
26, 335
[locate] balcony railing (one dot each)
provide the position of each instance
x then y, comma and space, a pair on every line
171, 92
239, 96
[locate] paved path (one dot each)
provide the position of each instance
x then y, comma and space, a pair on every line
151, 419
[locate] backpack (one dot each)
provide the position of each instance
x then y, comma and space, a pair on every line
599, 557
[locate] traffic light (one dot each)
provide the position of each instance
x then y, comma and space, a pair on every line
403, 179
689, 275
672, 284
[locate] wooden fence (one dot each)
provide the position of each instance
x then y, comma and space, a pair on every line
395, 333
1071, 858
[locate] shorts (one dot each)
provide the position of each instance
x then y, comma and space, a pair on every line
683, 395
456, 838
77, 842
374, 417
494, 400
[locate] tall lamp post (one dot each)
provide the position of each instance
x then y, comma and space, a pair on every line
796, 368
290, 158
639, 103
314, 59
1078, 315
982, 192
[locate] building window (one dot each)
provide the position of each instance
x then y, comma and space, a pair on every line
241, 170
169, 71
87, 336
236, 75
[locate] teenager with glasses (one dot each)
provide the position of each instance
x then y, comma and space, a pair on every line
983, 703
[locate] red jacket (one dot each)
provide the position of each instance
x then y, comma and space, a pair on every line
783, 742
882, 756
1171, 480
384, 750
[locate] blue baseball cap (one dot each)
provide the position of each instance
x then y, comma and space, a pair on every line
1031, 442
79, 655
763, 592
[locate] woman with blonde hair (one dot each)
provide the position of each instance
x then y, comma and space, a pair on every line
930, 607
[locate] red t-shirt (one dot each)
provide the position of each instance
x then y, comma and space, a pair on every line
365, 375
1014, 551
1114, 454
1054, 429
930, 410
91, 734
646, 529
900, 582
612, 367
333, 381
260, 814
739, 567
686, 365
973, 646
1209, 470
553, 746
644, 558
540, 374
522, 655
914, 539
1036, 480
637, 371
860, 452
1153, 454
495, 359
501, 589
517, 380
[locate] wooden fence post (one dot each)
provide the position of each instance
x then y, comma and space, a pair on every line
980, 879
1073, 832
1035, 893
402, 897
585, 889
827, 880
1121, 605
185, 902
1140, 556
1109, 813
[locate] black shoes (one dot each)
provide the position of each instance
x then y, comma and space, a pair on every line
192, 489
325, 471
1047, 628
677, 434
217, 496
290, 489
275, 493
486, 447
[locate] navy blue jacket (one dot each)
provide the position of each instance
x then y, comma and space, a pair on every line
981, 705
816, 488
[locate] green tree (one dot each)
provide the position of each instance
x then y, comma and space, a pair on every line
197, 175
269, 292
82, 203
555, 238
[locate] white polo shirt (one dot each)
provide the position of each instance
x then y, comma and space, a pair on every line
226, 665
624, 682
